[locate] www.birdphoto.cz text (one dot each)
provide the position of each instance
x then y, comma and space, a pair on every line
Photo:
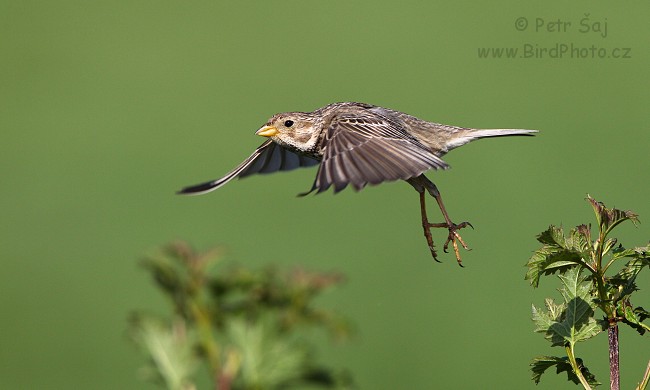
581, 28
555, 51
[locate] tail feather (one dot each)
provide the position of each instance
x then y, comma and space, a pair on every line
465, 137
484, 133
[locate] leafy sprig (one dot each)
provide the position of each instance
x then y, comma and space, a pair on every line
244, 325
581, 262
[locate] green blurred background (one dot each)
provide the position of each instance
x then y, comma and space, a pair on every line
108, 108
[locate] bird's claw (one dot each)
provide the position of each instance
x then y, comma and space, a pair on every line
427, 235
454, 238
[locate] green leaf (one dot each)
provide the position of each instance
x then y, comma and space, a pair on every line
267, 359
640, 254
540, 364
553, 236
620, 252
556, 255
641, 313
643, 252
608, 218
572, 321
574, 285
165, 275
608, 245
623, 284
579, 323
544, 320
579, 241
172, 358
634, 317
547, 261
245, 324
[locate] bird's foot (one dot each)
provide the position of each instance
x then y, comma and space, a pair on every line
454, 238
427, 234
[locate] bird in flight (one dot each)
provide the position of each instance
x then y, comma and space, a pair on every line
357, 144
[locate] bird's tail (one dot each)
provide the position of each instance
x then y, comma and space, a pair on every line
472, 134
484, 133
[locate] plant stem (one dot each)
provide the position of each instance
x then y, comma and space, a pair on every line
646, 378
610, 311
209, 344
576, 367
612, 333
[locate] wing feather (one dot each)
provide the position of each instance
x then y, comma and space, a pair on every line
273, 160
361, 149
289, 160
268, 158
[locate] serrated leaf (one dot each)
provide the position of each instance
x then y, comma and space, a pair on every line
266, 359
641, 313
553, 236
548, 260
609, 244
639, 254
574, 285
171, 352
579, 241
609, 218
573, 320
540, 364
634, 317
624, 282
165, 275
628, 313
555, 310
620, 252
643, 252
544, 320
578, 323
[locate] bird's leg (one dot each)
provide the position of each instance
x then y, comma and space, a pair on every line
453, 236
421, 183
426, 225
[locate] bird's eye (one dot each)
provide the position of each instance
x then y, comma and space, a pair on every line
288, 123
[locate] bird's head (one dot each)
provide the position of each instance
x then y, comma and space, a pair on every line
295, 130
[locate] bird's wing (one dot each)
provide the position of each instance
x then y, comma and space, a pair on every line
368, 148
269, 157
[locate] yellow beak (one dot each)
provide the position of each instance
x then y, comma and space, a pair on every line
267, 131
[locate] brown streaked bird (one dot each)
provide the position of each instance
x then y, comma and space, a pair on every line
359, 144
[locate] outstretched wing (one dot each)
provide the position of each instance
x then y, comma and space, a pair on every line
361, 149
268, 158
